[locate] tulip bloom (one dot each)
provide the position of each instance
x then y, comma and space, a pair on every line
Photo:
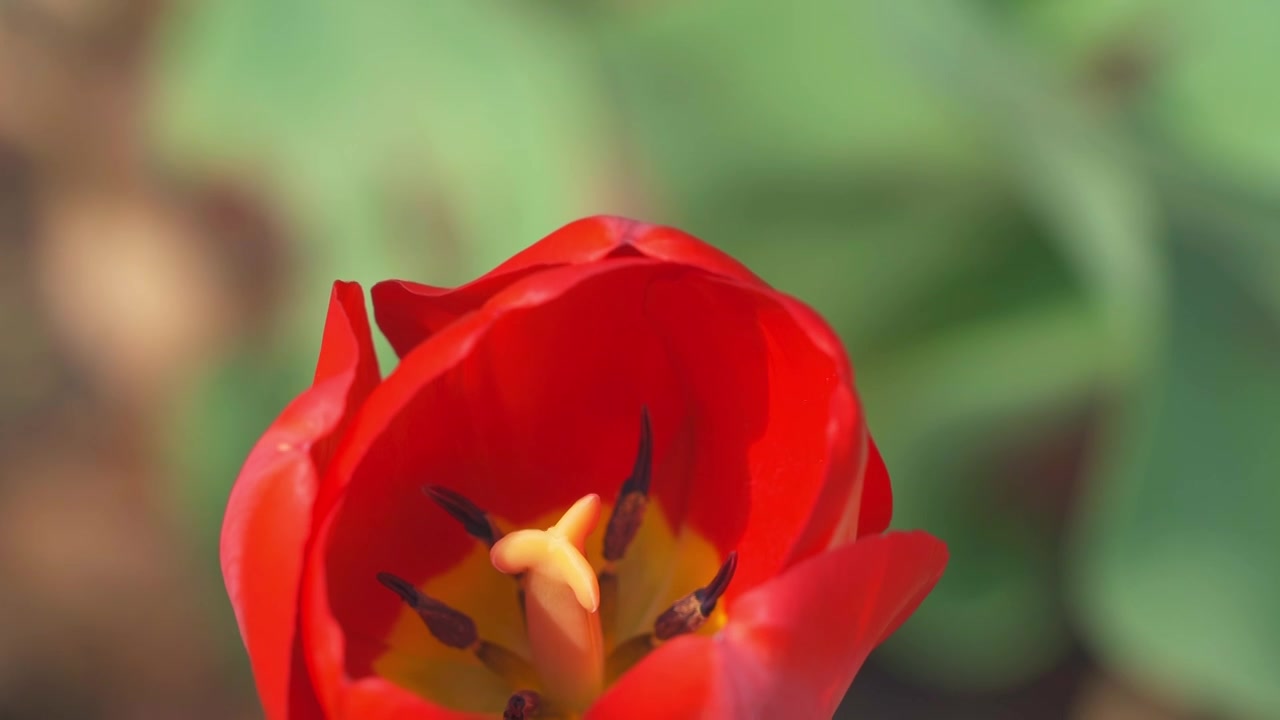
619, 476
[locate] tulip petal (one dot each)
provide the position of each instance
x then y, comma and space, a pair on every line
793, 645
685, 679
377, 699
667, 243
836, 511
531, 402
876, 509
408, 313
595, 238
269, 514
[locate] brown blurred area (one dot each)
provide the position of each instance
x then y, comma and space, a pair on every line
116, 283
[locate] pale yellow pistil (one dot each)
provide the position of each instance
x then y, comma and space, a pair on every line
562, 600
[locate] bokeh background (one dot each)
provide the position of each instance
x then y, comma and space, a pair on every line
1046, 230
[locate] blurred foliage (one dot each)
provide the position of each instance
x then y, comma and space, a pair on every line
1034, 223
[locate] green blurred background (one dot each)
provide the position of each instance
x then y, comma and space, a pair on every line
1047, 231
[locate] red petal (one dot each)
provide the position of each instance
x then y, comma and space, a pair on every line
533, 400
595, 238
793, 645
877, 496
682, 680
409, 313
836, 509
377, 699
667, 243
268, 519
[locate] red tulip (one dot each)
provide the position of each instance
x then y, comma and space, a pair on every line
736, 563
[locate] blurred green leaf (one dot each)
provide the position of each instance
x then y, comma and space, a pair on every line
989, 372
483, 116
231, 410
937, 412
1217, 98
1176, 550
1071, 166
1075, 32
996, 619
213, 429
1104, 217
721, 91
1237, 224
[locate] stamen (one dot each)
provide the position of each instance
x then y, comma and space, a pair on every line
563, 597
691, 611
451, 627
523, 705
686, 615
456, 629
474, 520
633, 498
624, 523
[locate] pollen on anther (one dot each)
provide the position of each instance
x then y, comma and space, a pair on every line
690, 612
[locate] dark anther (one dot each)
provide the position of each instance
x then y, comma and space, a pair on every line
633, 498
624, 523
714, 590
451, 627
691, 611
457, 630
522, 705
474, 520
686, 615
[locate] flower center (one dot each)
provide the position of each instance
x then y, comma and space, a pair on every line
593, 602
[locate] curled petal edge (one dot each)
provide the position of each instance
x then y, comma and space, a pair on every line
876, 509
793, 645
836, 513
408, 312
269, 513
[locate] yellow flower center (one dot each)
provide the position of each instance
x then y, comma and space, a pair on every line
595, 600
663, 564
